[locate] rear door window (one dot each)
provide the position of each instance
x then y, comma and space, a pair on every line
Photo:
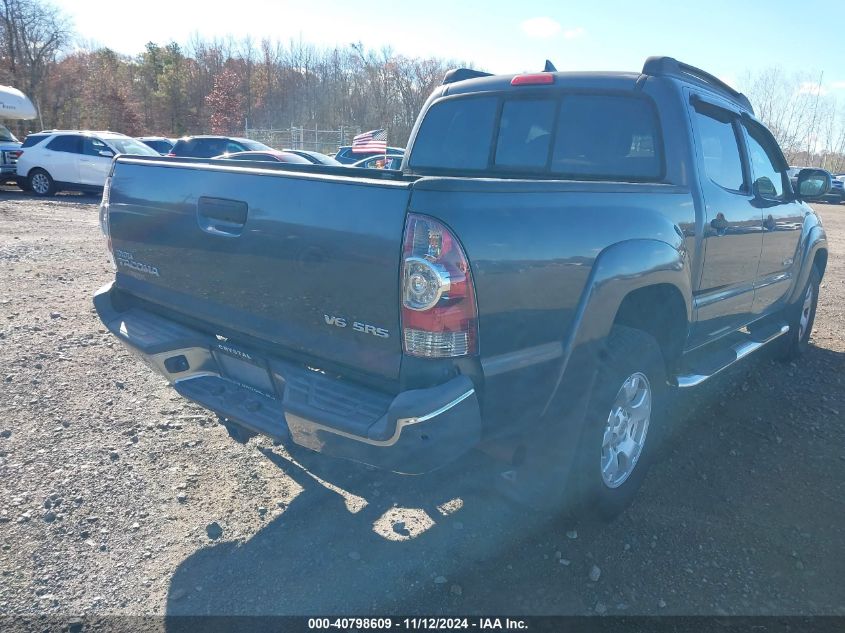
66, 143
607, 137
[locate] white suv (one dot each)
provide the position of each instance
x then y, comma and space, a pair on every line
56, 160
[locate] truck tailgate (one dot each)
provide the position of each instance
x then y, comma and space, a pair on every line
306, 261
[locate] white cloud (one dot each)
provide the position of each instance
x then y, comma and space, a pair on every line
837, 85
812, 88
542, 28
571, 34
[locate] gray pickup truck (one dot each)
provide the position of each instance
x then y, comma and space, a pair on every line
559, 251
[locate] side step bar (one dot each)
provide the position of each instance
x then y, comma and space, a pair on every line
735, 353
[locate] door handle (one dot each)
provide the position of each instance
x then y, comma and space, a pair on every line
220, 216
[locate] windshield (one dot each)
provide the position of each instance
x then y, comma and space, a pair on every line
253, 145
6, 135
131, 146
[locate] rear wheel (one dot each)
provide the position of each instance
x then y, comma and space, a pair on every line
623, 423
800, 317
41, 183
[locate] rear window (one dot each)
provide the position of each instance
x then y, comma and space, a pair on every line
33, 139
253, 145
162, 147
456, 135
200, 147
582, 136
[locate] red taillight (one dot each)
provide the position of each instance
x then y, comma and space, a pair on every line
533, 79
170, 154
15, 154
439, 317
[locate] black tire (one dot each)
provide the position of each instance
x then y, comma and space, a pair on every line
800, 317
41, 183
629, 352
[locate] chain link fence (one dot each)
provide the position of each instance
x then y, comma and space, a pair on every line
300, 137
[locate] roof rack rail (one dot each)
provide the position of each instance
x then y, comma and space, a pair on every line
671, 67
459, 74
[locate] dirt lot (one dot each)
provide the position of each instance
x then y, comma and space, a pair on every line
110, 484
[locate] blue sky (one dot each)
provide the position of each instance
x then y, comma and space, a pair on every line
725, 38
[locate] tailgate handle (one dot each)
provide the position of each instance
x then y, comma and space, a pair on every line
221, 216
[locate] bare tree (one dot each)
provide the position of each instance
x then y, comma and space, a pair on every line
32, 34
801, 114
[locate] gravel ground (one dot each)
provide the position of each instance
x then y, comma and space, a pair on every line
118, 497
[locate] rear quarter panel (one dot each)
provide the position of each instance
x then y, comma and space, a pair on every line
532, 247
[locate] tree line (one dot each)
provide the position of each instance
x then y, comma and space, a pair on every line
206, 86
221, 85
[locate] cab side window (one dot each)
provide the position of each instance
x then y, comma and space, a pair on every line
93, 146
720, 148
767, 164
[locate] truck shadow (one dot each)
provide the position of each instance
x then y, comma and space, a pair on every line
353, 541
356, 541
11, 193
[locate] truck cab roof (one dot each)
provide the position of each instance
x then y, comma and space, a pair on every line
467, 80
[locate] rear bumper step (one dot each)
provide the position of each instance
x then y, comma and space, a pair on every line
707, 366
413, 432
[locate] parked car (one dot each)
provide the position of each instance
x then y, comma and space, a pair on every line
837, 187
161, 144
561, 253
380, 162
74, 160
272, 156
10, 149
314, 157
346, 156
837, 190
14, 106
211, 146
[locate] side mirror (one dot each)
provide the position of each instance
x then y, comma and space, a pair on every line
812, 184
106, 153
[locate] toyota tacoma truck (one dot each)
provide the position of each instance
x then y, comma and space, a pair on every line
558, 253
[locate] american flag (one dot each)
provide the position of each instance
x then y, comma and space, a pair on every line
369, 142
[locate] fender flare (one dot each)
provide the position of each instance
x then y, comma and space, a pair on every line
816, 240
617, 271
